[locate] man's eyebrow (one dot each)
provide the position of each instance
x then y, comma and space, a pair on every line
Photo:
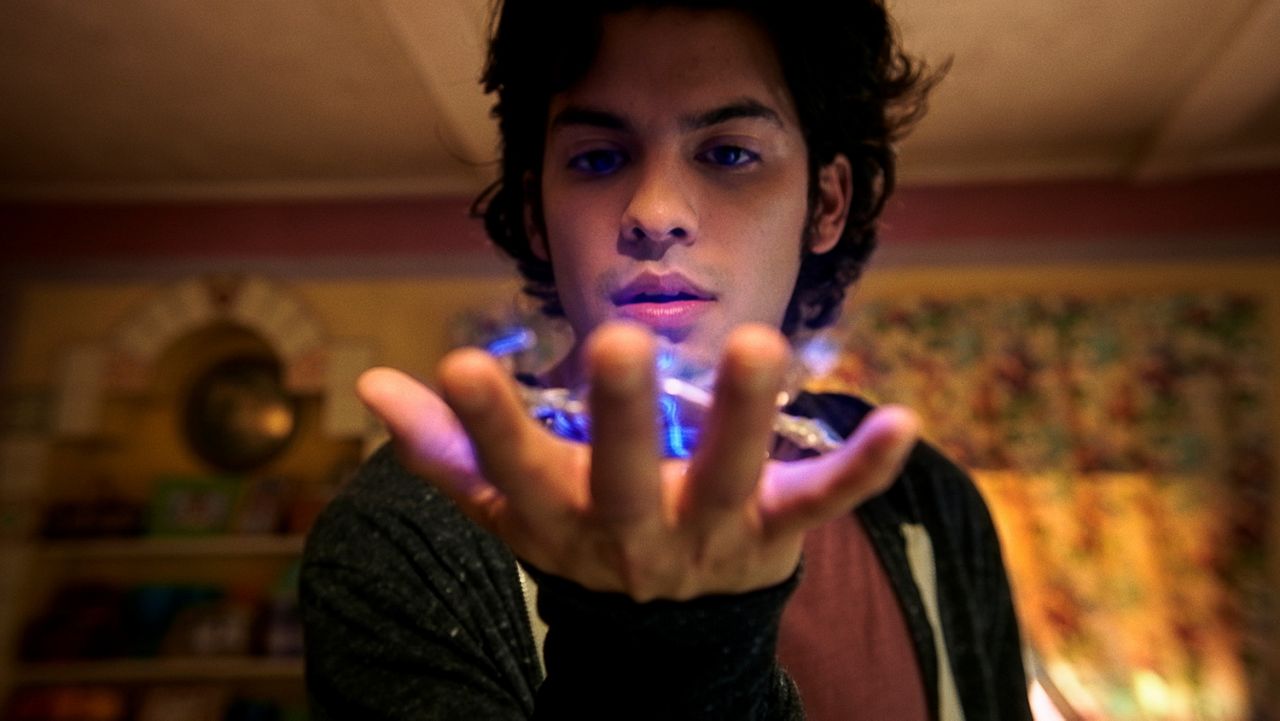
596, 118
746, 108
579, 115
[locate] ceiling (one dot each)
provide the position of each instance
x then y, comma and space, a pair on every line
188, 99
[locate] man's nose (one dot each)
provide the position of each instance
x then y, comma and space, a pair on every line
660, 213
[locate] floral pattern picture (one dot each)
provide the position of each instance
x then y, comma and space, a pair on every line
1124, 446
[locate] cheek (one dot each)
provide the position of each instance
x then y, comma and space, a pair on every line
573, 218
579, 259
779, 240
774, 283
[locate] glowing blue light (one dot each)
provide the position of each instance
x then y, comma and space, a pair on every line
513, 341
570, 426
665, 362
819, 354
678, 439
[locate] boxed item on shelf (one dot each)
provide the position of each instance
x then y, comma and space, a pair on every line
68, 703
196, 505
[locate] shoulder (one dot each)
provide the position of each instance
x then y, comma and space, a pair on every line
944, 498
949, 486
409, 608
388, 520
384, 496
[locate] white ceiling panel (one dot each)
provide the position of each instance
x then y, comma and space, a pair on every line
189, 98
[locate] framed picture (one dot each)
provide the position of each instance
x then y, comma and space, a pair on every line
193, 506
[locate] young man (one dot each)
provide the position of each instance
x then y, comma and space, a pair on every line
705, 173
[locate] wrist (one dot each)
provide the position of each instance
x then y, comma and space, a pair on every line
605, 647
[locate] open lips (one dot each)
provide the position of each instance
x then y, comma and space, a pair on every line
656, 288
662, 302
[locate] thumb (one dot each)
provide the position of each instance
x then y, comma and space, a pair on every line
427, 435
805, 493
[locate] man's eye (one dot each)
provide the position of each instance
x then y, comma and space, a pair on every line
728, 156
597, 162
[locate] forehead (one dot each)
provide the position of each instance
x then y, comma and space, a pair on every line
677, 59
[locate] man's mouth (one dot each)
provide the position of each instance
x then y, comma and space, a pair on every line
659, 298
652, 287
667, 301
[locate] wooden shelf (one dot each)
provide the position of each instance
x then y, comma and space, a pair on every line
174, 547
131, 670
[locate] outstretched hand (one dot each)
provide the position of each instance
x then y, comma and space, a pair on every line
615, 515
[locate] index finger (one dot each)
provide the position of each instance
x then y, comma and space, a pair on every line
512, 451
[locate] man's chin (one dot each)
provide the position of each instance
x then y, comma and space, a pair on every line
692, 356
691, 351
676, 336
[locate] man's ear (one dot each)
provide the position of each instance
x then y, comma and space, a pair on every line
831, 207
533, 224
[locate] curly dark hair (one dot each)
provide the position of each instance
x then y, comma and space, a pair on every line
855, 91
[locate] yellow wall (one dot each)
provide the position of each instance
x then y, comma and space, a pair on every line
404, 318
404, 321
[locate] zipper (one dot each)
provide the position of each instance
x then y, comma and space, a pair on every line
537, 627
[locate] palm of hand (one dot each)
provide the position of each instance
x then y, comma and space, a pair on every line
615, 516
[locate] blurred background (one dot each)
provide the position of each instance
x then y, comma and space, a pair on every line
213, 216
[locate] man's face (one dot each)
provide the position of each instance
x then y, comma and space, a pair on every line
674, 183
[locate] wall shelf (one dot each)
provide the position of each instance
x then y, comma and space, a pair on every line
229, 546
131, 670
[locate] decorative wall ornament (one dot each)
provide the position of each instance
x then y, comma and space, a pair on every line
270, 309
125, 361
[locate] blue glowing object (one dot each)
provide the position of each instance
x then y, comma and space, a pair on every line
682, 401
678, 438
513, 341
570, 426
